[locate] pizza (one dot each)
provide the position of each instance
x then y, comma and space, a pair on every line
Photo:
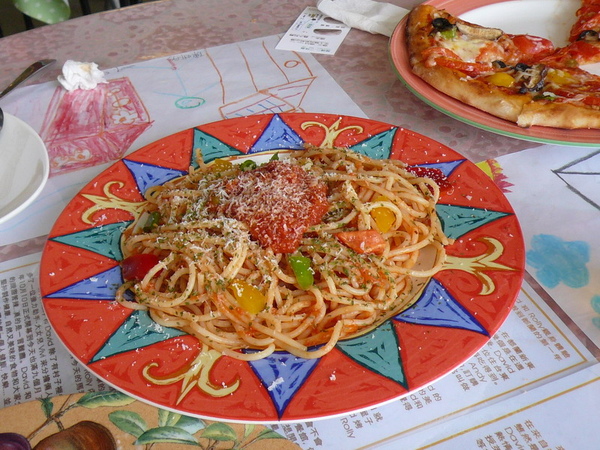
520, 78
584, 40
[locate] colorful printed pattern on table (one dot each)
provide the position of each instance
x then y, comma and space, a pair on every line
457, 312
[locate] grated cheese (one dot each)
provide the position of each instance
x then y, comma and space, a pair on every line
278, 202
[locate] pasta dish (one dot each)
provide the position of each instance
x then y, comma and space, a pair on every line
293, 254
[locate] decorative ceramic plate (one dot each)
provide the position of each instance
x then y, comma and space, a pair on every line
24, 166
551, 19
456, 314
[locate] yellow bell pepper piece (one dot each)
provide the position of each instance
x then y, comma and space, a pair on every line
247, 296
383, 217
558, 76
501, 79
220, 165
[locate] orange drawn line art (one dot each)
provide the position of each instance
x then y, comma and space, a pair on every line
278, 99
298, 57
264, 104
305, 64
256, 88
212, 61
275, 62
293, 85
296, 92
284, 97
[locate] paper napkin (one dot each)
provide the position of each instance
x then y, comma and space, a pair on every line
374, 17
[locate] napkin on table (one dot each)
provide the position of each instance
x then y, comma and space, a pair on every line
367, 15
80, 75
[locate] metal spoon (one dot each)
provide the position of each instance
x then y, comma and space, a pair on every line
31, 70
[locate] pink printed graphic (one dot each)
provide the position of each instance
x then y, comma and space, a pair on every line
84, 128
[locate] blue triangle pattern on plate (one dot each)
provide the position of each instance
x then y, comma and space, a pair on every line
104, 240
277, 135
211, 147
101, 286
437, 307
459, 220
378, 352
378, 146
445, 167
282, 374
138, 331
148, 175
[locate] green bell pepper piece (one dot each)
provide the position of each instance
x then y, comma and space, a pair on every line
151, 221
449, 34
301, 265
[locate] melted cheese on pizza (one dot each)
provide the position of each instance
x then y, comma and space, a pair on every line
473, 49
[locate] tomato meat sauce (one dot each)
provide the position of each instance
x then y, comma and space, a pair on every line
278, 201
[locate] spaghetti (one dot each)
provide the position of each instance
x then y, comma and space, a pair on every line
355, 233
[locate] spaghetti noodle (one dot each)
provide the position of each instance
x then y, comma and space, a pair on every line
218, 274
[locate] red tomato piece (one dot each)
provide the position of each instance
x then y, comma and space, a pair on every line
575, 54
470, 68
135, 267
533, 46
447, 58
592, 101
362, 241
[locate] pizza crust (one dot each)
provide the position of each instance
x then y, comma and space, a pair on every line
417, 27
472, 92
559, 115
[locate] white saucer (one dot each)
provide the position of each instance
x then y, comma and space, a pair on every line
24, 166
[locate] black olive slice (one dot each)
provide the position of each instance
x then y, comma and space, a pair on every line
533, 78
589, 36
522, 67
441, 24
